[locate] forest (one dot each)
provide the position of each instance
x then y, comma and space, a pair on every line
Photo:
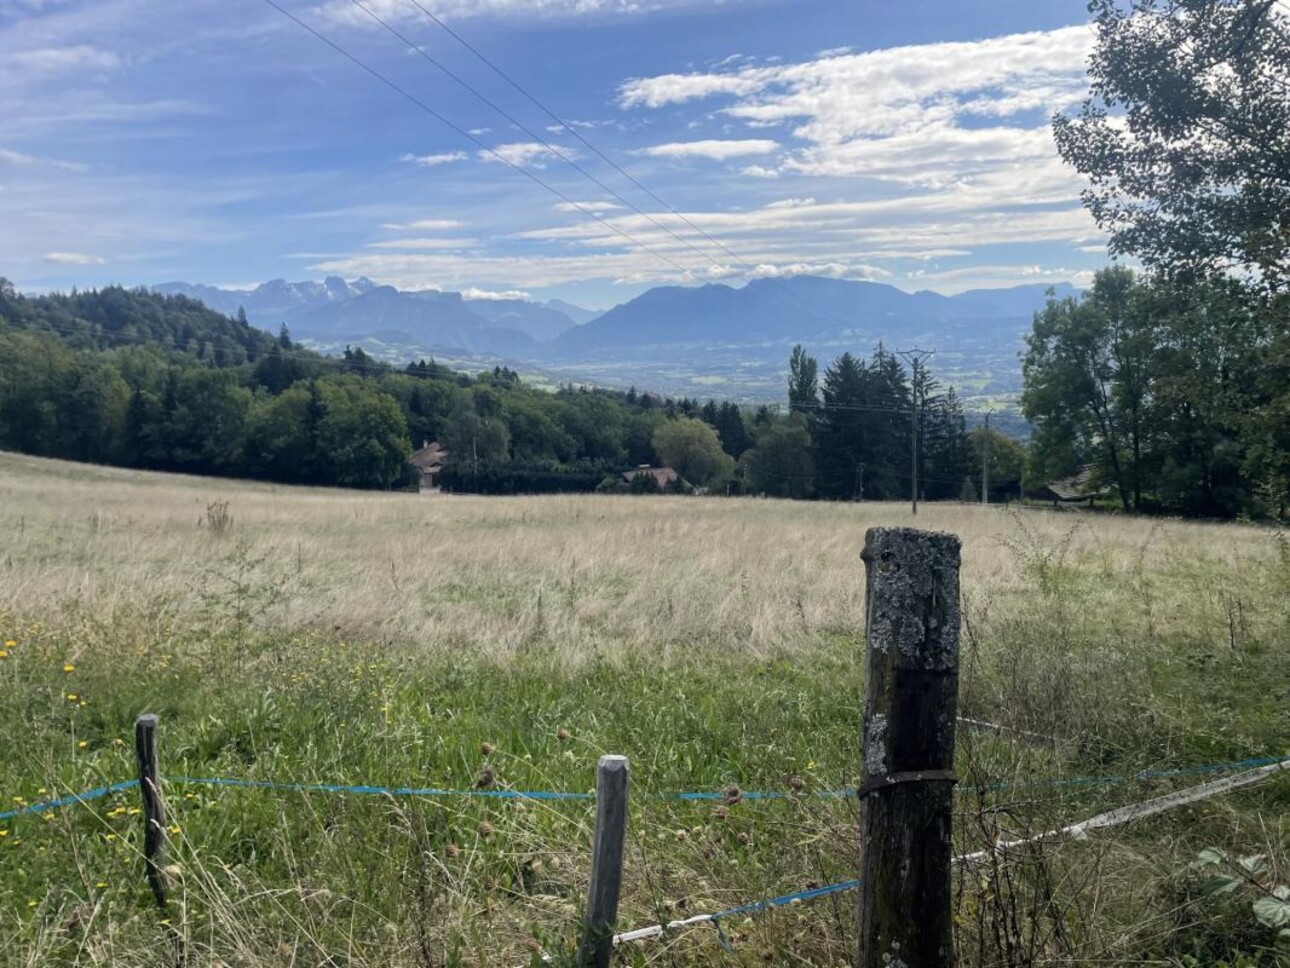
1170, 396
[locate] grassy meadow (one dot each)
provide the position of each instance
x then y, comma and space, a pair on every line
318, 636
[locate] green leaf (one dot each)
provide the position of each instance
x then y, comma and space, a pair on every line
1272, 912
1255, 863
1281, 892
1218, 884
1208, 858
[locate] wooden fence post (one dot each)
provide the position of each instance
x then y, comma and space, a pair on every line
912, 643
154, 811
606, 862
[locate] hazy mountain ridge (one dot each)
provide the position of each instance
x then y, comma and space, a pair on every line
713, 339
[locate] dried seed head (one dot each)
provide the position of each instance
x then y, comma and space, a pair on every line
562, 734
485, 829
796, 783
720, 813
734, 794
452, 850
487, 777
487, 748
743, 837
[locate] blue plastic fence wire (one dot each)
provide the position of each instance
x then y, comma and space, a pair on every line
69, 800
379, 790
706, 795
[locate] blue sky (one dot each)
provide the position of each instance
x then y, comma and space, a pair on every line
219, 142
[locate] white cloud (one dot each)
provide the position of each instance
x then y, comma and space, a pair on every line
422, 243
432, 161
16, 159
341, 11
931, 115
717, 150
592, 206
836, 270
472, 292
73, 259
523, 153
56, 60
426, 225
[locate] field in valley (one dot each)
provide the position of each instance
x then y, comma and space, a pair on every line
315, 636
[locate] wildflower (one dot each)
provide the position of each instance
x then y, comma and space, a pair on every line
3, 834
19, 800
174, 828
4, 653
32, 902
487, 748
68, 667
42, 790
10, 644
72, 697
83, 744
118, 741
109, 837
101, 884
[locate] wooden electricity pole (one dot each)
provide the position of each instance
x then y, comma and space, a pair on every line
915, 358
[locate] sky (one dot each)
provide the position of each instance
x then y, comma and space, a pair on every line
219, 141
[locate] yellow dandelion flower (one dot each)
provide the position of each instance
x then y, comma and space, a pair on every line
3, 834
72, 697
83, 744
165, 921
101, 884
118, 741
9, 643
42, 790
32, 902
4, 653
68, 667
109, 837
174, 828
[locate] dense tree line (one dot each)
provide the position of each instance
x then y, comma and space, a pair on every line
849, 435
134, 378
1174, 386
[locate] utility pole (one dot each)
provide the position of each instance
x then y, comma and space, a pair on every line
915, 358
985, 460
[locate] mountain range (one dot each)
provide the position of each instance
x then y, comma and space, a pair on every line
670, 338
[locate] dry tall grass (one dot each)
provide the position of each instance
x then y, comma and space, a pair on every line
599, 576
315, 635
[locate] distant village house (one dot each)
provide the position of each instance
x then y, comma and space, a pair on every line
664, 477
429, 461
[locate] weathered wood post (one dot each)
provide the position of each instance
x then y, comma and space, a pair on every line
606, 862
154, 811
912, 641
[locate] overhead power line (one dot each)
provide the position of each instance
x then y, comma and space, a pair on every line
816, 311
470, 137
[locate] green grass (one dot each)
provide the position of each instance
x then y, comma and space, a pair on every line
1169, 649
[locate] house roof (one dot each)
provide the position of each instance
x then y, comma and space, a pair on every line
1079, 487
430, 455
662, 475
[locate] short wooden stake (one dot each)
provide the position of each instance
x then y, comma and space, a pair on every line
154, 811
606, 863
912, 643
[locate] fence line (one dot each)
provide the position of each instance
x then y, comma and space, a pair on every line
69, 800
698, 796
1076, 831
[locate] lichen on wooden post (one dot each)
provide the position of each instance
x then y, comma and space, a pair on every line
912, 645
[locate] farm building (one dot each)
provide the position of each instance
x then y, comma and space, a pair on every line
663, 476
429, 461
1076, 489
